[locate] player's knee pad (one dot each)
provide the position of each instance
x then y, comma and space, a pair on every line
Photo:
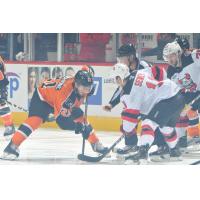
65, 123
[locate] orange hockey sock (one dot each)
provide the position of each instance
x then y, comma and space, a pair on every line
93, 138
193, 131
26, 129
193, 128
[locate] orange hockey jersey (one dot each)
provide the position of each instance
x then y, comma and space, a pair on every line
60, 94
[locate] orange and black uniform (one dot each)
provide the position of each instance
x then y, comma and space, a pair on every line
57, 96
5, 112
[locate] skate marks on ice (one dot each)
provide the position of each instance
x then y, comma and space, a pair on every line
62, 147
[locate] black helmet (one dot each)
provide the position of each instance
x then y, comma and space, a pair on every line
126, 50
84, 78
183, 43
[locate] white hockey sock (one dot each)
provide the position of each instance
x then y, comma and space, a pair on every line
170, 136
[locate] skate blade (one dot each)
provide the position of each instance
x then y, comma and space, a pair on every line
191, 155
165, 158
159, 158
175, 159
126, 153
131, 162
122, 157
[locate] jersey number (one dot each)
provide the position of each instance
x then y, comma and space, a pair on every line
140, 78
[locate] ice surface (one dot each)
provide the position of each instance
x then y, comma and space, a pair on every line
54, 146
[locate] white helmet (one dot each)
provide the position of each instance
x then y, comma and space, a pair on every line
120, 70
171, 48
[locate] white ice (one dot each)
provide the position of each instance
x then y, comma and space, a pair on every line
54, 146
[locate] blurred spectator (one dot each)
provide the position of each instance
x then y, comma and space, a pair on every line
32, 81
69, 72
57, 72
18, 46
21, 56
162, 40
4, 45
93, 46
44, 44
129, 38
45, 74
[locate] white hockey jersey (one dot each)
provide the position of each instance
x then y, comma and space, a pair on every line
142, 91
188, 77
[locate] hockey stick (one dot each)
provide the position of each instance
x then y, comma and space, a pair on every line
86, 158
195, 163
85, 121
16, 106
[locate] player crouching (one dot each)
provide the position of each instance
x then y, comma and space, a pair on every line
62, 97
160, 102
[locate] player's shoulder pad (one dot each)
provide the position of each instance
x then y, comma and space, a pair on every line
196, 55
144, 64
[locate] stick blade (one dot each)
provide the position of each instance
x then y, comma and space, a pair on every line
86, 158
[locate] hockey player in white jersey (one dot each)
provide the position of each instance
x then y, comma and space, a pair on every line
184, 69
160, 102
127, 55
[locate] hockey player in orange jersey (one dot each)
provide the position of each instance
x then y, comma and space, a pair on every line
5, 112
62, 97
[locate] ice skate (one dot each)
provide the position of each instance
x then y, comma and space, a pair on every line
11, 152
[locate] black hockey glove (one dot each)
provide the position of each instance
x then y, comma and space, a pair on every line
84, 129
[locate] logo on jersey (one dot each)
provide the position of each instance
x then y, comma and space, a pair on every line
187, 83
13, 83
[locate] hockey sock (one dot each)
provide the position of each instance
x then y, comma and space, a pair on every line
193, 128
93, 138
147, 134
170, 136
26, 129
